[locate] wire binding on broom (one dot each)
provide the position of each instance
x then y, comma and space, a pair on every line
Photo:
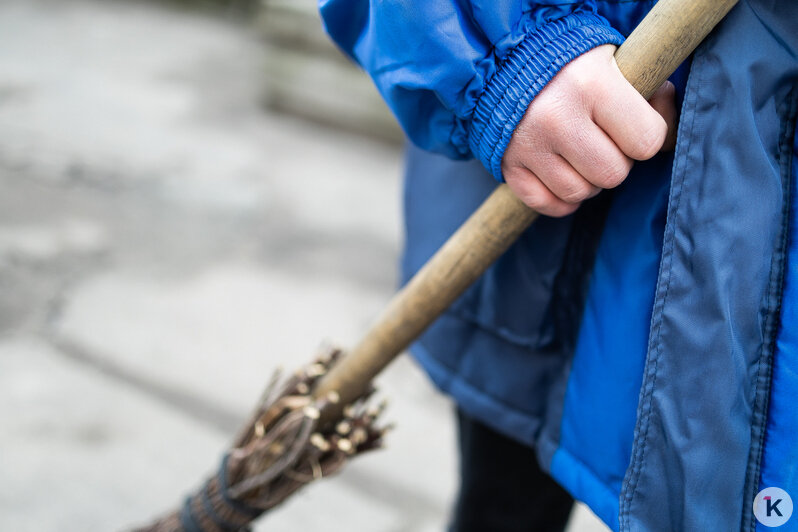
280, 448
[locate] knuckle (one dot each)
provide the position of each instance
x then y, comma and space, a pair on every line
650, 140
546, 117
552, 116
559, 209
576, 192
526, 187
613, 174
573, 197
534, 199
572, 135
513, 173
581, 82
544, 202
508, 166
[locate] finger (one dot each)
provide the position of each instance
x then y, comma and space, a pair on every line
593, 154
630, 121
664, 102
562, 179
535, 194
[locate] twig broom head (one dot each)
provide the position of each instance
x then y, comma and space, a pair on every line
284, 445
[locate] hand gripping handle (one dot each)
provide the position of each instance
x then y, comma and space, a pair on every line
659, 44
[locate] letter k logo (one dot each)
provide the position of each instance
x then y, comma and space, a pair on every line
772, 506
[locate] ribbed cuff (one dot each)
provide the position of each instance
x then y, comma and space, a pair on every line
523, 74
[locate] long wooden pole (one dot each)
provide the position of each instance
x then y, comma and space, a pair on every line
660, 43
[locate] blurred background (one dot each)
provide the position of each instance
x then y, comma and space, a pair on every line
182, 210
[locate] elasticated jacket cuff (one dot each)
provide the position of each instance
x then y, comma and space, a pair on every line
522, 75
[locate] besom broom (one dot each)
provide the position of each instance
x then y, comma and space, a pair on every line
307, 426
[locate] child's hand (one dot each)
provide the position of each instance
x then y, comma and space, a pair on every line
582, 133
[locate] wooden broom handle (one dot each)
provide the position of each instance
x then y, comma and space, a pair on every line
659, 44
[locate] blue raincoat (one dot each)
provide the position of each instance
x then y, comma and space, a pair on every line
647, 346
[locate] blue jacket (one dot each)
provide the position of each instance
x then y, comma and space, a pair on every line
647, 346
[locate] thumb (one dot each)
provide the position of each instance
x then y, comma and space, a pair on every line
664, 102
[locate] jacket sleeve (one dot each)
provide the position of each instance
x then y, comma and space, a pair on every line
459, 74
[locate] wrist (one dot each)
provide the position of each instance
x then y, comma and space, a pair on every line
523, 73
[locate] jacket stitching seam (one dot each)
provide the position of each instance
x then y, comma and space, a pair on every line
767, 350
641, 443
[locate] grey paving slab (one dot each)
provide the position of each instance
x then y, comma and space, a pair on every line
217, 334
94, 454
83, 453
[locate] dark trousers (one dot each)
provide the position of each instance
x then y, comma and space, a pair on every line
502, 488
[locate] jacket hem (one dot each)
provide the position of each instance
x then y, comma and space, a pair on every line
584, 485
575, 476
